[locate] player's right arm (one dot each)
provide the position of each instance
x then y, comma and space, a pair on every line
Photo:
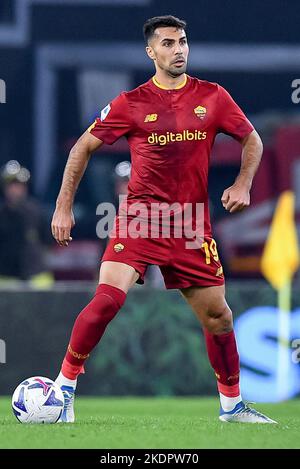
115, 121
63, 218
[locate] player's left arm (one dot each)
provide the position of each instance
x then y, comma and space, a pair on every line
237, 196
232, 121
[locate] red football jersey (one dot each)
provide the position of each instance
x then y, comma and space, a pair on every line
170, 135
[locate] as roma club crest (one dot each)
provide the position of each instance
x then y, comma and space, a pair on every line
200, 111
119, 247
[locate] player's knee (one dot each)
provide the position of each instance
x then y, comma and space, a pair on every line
219, 322
118, 275
105, 307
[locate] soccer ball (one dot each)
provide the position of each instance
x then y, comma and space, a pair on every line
38, 400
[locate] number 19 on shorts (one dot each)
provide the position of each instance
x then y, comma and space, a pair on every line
210, 249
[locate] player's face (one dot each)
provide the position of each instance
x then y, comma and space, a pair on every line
169, 50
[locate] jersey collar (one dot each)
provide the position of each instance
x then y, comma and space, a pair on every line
182, 85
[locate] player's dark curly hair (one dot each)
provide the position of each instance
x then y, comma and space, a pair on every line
161, 21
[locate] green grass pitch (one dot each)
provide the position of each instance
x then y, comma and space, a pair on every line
153, 423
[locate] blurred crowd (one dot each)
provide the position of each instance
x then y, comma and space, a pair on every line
27, 249
24, 233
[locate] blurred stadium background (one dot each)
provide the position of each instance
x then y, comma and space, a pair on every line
61, 62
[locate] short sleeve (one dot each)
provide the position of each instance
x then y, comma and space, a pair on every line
231, 119
114, 121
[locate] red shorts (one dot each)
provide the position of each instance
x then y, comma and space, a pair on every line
180, 267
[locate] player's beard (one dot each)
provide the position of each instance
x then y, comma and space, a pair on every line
171, 69
175, 72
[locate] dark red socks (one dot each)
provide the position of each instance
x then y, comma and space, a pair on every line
224, 358
90, 326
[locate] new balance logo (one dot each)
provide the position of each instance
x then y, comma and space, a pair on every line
150, 118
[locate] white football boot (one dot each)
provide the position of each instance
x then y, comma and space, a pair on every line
242, 413
67, 415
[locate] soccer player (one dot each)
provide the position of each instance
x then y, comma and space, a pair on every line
170, 122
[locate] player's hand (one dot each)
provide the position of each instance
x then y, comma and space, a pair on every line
235, 198
62, 223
